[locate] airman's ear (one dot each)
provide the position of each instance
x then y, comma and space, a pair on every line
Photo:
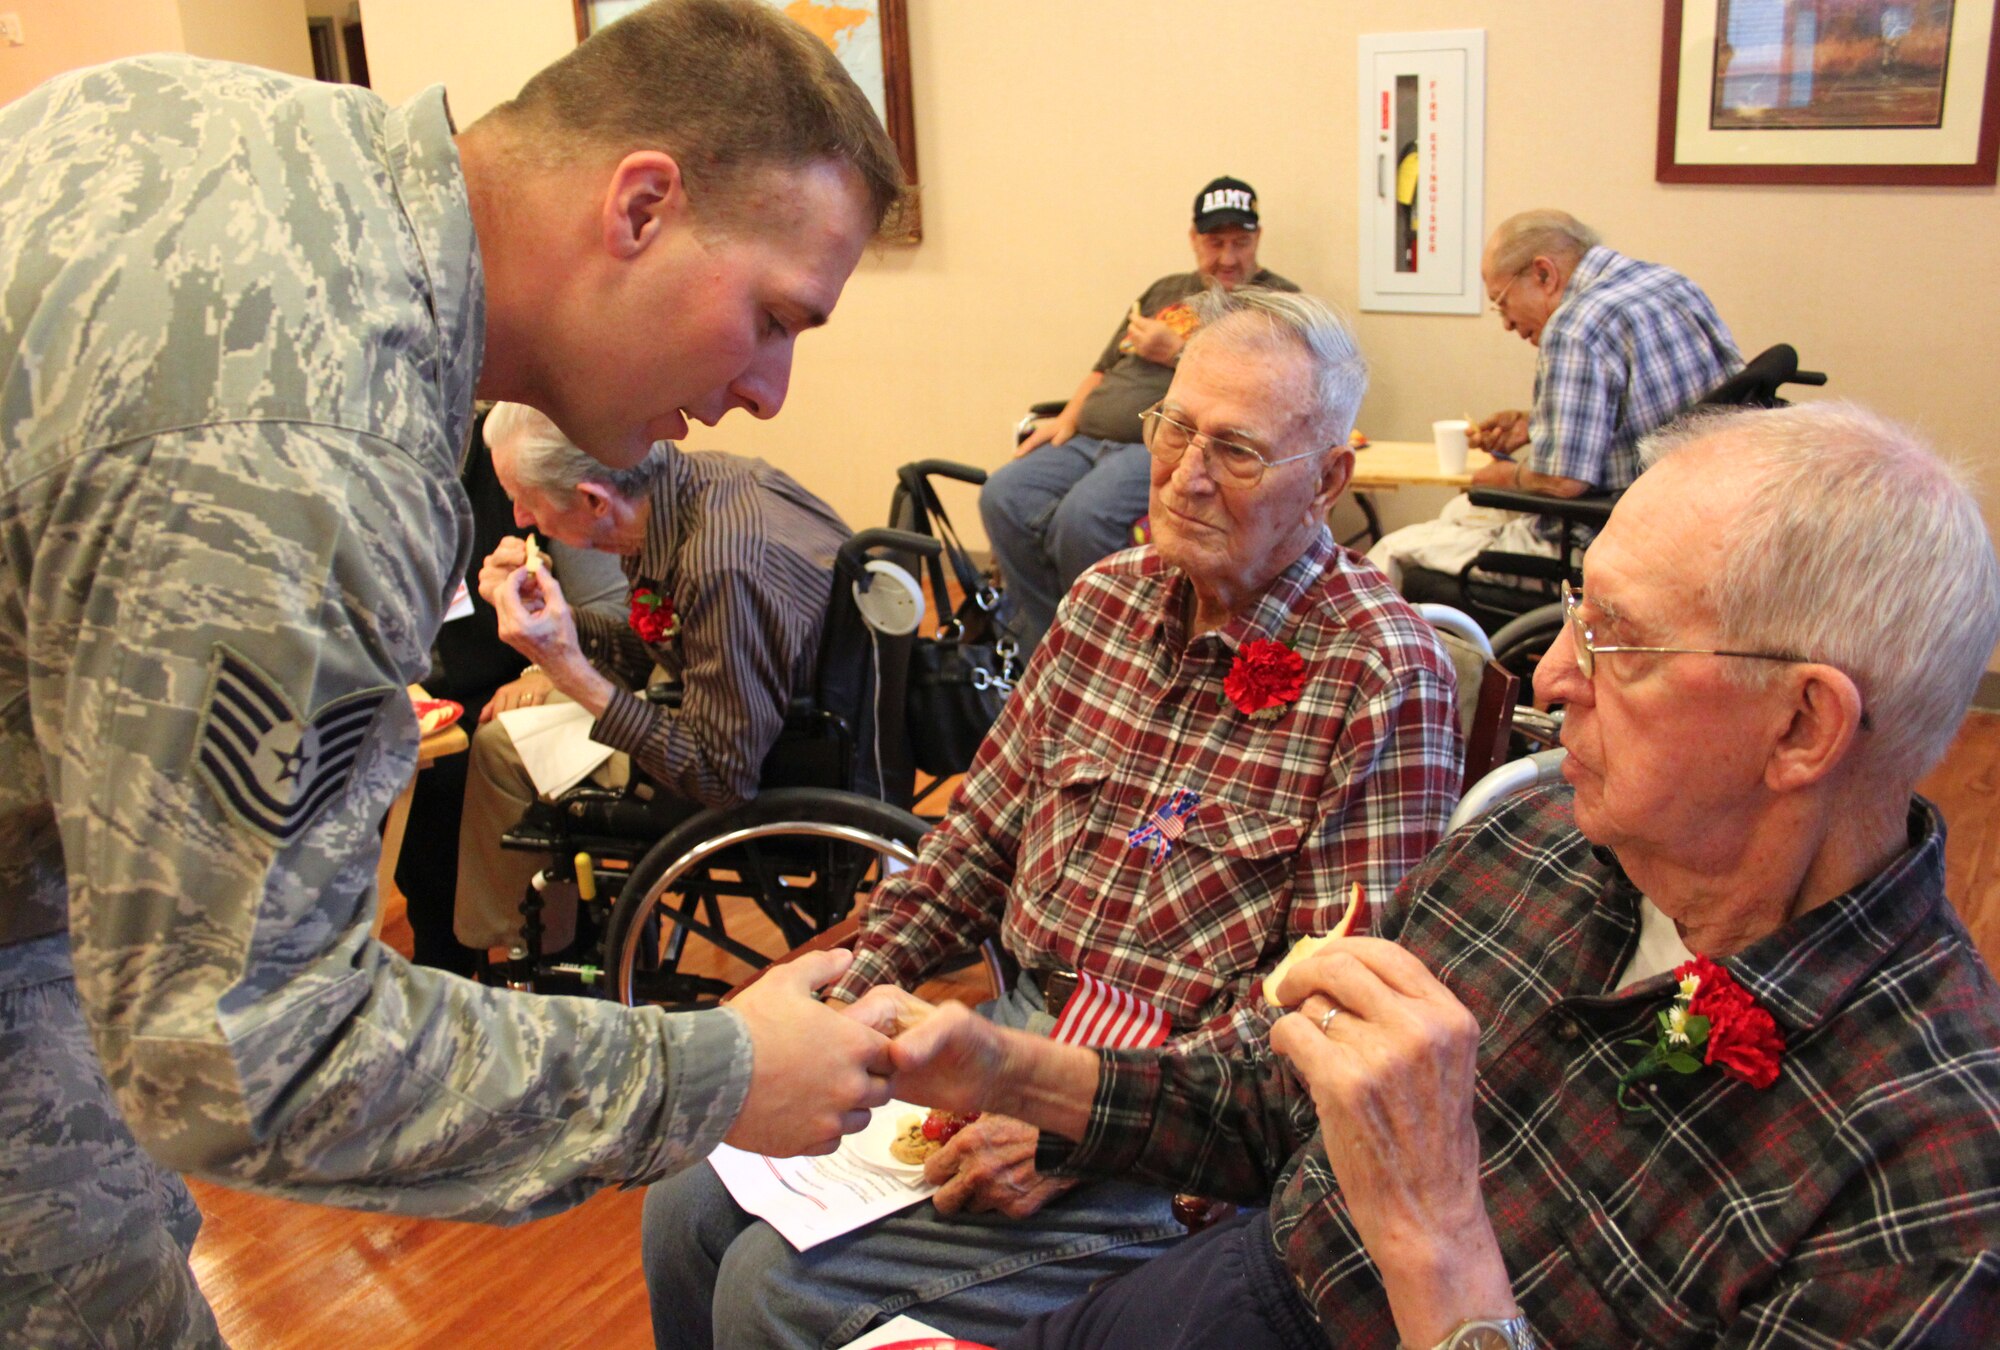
1826, 718
645, 194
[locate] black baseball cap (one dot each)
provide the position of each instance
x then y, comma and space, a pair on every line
1226, 201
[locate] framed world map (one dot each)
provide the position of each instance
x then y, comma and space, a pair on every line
872, 40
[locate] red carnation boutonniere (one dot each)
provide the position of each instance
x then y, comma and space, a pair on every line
1716, 1016
653, 617
1265, 676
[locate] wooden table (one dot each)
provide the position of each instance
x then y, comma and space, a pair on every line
1386, 465
432, 748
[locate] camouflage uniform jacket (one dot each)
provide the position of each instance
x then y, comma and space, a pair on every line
241, 319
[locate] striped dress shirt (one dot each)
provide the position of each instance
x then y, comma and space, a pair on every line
746, 556
1855, 1201
1120, 709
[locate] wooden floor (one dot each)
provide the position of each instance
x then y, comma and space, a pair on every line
283, 1274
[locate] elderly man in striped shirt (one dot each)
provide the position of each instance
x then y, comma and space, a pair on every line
1222, 733
1693, 1051
731, 565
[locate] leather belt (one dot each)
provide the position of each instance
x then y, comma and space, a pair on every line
1056, 987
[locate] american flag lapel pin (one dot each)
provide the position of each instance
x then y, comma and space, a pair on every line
1167, 823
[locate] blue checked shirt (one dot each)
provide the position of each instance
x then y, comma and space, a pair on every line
1855, 1201
1632, 345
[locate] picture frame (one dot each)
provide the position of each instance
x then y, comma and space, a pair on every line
1887, 93
881, 65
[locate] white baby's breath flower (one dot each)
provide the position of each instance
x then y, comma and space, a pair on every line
1689, 983
1677, 1018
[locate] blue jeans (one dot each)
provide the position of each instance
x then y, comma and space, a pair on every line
1052, 513
719, 1276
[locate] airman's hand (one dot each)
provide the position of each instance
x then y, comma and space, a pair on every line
815, 1073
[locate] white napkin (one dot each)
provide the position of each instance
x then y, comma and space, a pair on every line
554, 744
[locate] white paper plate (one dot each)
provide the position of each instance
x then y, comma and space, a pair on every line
871, 1144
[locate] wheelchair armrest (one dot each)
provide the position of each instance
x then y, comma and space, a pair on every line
1592, 509
1046, 409
664, 694
1517, 564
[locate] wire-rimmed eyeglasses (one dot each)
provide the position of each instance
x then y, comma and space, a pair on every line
1501, 299
1229, 463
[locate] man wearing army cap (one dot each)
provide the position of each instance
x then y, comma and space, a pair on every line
243, 319
1078, 481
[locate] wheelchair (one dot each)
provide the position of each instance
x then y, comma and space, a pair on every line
829, 822
1525, 619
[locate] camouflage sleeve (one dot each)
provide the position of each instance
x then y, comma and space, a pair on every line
223, 622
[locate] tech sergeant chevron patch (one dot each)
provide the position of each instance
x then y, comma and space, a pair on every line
268, 766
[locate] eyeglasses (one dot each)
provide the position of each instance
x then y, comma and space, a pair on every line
1501, 299
1588, 649
1231, 464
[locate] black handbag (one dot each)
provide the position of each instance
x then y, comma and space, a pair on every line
959, 678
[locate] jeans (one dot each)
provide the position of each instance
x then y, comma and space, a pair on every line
1052, 513
1225, 1287
719, 1276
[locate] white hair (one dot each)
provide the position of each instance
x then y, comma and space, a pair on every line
1339, 375
546, 459
1546, 233
1860, 547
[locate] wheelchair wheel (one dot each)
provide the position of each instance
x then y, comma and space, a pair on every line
1519, 644
801, 857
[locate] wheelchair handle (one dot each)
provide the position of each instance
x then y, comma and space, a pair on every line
857, 548
943, 468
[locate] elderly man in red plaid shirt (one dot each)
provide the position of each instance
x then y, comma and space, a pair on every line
1221, 734
1540, 1115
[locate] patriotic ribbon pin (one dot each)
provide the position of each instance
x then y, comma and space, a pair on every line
1167, 823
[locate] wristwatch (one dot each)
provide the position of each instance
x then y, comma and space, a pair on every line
1491, 1333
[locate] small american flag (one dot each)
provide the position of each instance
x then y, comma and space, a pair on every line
1109, 1019
1167, 823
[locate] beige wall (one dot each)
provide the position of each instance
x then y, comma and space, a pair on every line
65, 34
1061, 143
481, 50
268, 33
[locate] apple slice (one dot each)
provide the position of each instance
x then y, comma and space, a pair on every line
1306, 946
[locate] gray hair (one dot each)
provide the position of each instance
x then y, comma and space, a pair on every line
1339, 375
1859, 546
544, 458
1519, 240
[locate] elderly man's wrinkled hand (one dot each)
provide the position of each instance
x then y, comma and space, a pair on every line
1501, 434
888, 1009
545, 633
952, 1059
1393, 1076
815, 1073
989, 1167
530, 691
1151, 340
507, 558
1049, 431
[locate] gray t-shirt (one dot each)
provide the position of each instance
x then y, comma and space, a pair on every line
1133, 384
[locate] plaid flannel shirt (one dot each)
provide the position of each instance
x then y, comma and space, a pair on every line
1631, 347
1119, 709
1856, 1201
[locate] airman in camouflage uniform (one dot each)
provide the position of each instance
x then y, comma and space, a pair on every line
241, 327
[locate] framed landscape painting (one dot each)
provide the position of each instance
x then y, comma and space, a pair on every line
872, 40
1829, 91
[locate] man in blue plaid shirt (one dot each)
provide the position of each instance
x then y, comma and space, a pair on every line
1625, 347
1782, 626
